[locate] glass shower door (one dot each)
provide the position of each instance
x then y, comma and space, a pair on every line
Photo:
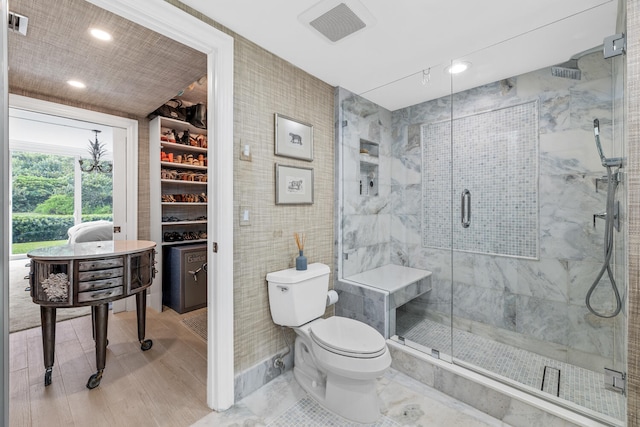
420, 206
529, 208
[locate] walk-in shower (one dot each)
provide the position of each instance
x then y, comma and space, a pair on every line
493, 190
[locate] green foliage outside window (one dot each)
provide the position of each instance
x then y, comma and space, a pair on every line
43, 196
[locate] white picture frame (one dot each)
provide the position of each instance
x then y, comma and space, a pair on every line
294, 185
293, 138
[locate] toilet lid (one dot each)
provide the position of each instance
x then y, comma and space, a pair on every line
348, 337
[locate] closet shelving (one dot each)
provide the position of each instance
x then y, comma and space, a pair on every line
178, 182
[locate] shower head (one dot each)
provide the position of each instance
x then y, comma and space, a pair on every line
567, 70
570, 69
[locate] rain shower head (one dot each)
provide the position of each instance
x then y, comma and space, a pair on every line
570, 69
567, 70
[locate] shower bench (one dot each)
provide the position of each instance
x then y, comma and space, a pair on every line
374, 295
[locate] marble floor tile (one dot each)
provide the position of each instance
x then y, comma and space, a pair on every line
406, 402
574, 384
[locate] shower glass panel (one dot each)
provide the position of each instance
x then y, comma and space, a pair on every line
386, 278
528, 200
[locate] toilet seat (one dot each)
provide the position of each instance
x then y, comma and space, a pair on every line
348, 337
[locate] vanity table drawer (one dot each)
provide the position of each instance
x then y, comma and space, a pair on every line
99, 284
85, 276
100, 294
100, 264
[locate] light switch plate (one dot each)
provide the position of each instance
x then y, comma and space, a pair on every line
243, 155
245, 216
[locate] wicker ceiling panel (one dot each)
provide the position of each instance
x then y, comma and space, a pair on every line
135, 73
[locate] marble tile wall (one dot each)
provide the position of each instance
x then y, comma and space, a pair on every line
365, 224
365, 304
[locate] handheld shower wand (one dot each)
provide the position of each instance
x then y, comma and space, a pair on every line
610, 217
606, 162
596, 132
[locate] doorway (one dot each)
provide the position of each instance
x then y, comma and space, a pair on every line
164, 18
55, 199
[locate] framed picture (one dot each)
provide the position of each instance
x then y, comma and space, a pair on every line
294, 185
293, 138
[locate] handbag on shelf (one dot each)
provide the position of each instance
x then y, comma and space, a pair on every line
197, 115
172, 109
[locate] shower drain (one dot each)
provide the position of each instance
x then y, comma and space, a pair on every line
551, 381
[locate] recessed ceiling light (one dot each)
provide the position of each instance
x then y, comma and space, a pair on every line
76, 84
100, 34
458, 67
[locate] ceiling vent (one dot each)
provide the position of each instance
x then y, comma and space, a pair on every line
336, 19
18, 23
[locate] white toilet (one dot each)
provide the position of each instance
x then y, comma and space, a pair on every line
337, 360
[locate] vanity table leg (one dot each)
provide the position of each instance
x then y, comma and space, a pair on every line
101, 313
141, 313
48, 324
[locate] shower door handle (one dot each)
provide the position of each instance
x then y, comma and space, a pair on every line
466, 208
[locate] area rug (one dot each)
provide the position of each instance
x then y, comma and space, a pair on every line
23, 312
197, 324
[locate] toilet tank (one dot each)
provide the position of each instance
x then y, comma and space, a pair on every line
298, 297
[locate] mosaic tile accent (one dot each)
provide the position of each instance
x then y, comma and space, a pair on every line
501, 174
436, 185
307, 412
577, 385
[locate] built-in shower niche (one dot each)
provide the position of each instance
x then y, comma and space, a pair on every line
369, 161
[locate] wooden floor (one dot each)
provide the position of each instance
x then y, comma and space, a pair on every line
165, 386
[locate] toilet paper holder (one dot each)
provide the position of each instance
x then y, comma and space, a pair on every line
332, 297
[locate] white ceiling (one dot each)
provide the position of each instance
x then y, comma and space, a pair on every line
385, 61
138, 71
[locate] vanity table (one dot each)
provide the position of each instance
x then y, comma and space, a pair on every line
90, 274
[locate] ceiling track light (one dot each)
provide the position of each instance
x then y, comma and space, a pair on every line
426, 76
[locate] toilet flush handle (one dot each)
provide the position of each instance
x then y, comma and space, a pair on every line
283, 288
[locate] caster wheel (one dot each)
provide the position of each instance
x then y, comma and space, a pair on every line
94, 380
146, 345
47, 377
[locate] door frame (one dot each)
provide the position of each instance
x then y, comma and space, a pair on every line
166, 19
172, 22
4, 213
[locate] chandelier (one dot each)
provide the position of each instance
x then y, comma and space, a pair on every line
96, 150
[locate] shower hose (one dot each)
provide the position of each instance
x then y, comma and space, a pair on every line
612, 184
